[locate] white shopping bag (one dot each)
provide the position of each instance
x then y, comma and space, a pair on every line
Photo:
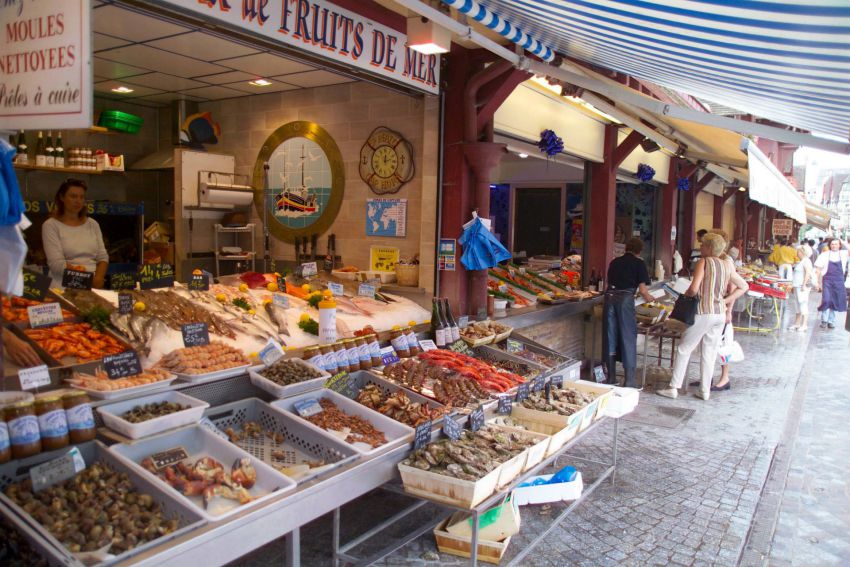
729, 349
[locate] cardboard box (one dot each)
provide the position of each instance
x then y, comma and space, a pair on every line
495, 524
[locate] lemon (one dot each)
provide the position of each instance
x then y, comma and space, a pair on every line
243, 287
306, 287
304, 317
272, 287
253, 355
139, 306
221, 297
251, 312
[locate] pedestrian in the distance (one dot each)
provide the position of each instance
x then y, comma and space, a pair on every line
832, 272
803, 274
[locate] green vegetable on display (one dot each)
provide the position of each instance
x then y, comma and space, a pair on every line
242, 304
501, 295
309, 326
97, 317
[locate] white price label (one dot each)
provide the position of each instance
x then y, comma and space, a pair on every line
463, 321
34, 377
336, 289
56, 471
427, 345
281, 300
366, 290
271, 353
44, 314
309, 269
306, 408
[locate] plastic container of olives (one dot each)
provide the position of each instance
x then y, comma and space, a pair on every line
292, 370
112, 414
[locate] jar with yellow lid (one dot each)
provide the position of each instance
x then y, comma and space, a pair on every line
24, 438
52, 422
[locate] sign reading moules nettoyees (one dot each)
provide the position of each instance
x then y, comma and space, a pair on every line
324, 29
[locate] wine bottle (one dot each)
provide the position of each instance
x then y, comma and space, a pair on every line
450, 320
40, 155
438, 329
22, 157
59, 152
50, 158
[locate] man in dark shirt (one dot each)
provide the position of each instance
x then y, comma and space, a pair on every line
627, 275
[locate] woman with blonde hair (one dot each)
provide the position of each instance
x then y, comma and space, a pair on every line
712, 277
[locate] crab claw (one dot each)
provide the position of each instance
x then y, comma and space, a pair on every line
243, 473
210, 492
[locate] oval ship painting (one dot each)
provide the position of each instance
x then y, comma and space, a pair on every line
304, 183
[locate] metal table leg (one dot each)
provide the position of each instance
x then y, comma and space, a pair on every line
292, 548
335, 537
615, 449
473, 550
645, 349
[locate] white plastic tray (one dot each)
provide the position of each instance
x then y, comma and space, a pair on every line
210, 376
125, 392
198, 443
397, 434
543, 493
111, 415
275, 389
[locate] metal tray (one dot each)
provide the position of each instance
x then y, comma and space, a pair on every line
275, 389
111, 415
488, 353
95, 451
199, 442
397, 434
300, 441
362, 378
568, 368
68, 362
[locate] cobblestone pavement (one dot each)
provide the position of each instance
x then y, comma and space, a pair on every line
683, 496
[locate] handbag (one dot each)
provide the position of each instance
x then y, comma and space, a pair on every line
685, 309
729, 351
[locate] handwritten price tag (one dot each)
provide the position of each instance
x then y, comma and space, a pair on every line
44, 314
309, 269
199, 282
125, 303
34, 377
152, 276
505, 405
522, 392
122, 280
195, 334
476, 418
122, 364
75, 279
35, 285
515, 346
451, 428
366, 290
422, 435
306, 408
336, 289
463, 321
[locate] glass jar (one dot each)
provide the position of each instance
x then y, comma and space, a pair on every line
5, 447
329, 362
363, 352
80, 418
313, 356
52, 422
23, 429
341, 357
353, 355
398, 339
374, 350
412, 340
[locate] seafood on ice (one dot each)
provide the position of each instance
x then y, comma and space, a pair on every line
208, 479
77, 340
102, 383
203, 359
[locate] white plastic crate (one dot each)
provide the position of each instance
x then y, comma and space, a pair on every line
543, 493
275, 389
111, 415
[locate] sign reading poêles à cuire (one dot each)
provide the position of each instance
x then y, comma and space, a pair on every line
45, 64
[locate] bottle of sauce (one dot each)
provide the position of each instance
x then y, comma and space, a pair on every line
329, 363
412, 341
353, 355
327, 317
5, 447
363, 352
52, 423
313, 356
23, 429
341, 357
374, 350
80, 417
399, 341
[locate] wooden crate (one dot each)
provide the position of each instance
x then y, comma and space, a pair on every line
488, 551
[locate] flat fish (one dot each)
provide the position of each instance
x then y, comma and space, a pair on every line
278, 316
352, 307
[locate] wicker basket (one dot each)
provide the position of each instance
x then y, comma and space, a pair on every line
407, 274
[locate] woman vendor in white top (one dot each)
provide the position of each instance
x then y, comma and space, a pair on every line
71, 239
831, 268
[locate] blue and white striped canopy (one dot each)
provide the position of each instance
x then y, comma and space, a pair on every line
784, 60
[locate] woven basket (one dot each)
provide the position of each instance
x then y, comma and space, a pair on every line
407, 275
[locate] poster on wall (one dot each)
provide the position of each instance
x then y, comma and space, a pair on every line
383, 258
386, 217
46, 64
448, 254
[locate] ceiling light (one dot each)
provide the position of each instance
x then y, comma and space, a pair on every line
742, 189
523, 155
122, 90
426, 37
260, 83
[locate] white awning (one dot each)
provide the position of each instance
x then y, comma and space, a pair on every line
769, 187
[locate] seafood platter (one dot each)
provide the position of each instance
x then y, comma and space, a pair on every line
204, 471
396, 402
557, 365
100, 386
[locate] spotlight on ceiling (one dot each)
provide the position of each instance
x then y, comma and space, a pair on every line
649, 146
122, 90
523, 155
426, 37
260, 83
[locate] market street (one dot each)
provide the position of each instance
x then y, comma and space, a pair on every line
687, 495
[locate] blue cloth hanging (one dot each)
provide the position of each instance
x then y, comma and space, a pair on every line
11, 203
481, 249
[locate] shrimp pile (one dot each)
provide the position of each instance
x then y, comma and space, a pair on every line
15, 308
75, 339
203, 359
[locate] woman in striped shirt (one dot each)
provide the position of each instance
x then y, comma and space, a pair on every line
712, 277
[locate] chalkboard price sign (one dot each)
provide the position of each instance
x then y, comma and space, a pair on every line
422, 436
122, 280
557, 381
599, 373
343, 383
152, 276
199, 282
522, 392
451, 428
75, 279
461, 347
195, 334
476, 418
125, 303
505, 405
122, 364
35, 285
538, 383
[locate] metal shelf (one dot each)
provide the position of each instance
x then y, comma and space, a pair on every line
250, 255
247, 228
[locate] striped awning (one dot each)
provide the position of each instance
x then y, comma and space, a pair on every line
784, 60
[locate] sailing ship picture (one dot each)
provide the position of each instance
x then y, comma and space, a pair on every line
305, 183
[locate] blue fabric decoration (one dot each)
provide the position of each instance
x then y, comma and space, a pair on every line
481, 249
684, 184
645, 173
11, 204
550, 143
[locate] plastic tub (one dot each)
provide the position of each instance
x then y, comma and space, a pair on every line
120, 121
275, 389
111, 415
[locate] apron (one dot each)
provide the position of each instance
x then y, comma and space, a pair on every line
834, 295
620, 332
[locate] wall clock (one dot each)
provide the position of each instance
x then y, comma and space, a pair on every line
386, 161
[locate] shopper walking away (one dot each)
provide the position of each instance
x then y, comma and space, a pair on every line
831, 272
801, 281
815, 251
784, 257
627, 275
711, 280
807, 248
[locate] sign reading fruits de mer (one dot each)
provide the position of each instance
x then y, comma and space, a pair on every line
325, 29
46, 54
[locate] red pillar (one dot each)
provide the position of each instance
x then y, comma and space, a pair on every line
664, 241
603, 203
717, 216
740, 215
687, 234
